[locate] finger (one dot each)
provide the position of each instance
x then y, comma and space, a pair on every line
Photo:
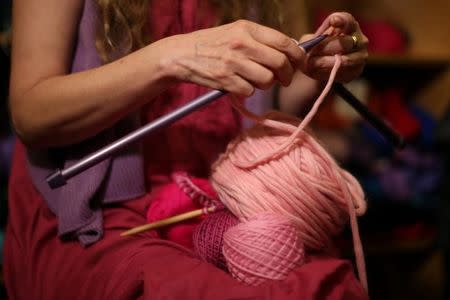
232, 83
355, 59
350, 73
342, 22
278, 41
238, 86
274, 60
254, 73
319, 67
341, 45
327, 62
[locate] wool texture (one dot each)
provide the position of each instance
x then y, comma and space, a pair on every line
267, 246
208, 237
278, 167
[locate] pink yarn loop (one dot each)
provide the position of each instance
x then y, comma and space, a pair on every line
276, 166
197, 189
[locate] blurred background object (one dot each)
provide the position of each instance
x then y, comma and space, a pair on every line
6, 137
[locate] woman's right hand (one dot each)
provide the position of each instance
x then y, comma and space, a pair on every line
52, 107
236, 57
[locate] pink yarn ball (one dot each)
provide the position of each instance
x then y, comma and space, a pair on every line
280, 168
268, 246
208, 237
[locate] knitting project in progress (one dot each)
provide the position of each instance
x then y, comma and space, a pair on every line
288, 193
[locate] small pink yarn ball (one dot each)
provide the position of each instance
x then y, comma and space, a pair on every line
268, 246
208, 237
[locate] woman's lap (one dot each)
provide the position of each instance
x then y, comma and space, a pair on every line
39, 265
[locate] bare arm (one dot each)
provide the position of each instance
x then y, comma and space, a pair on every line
49, 107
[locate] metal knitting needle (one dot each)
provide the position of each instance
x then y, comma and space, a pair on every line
384, 129
387, 132
60, 177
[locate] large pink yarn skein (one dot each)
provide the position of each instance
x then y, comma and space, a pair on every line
277, 167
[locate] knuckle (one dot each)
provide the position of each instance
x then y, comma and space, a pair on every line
228, 60
285, 42
236, 44
221, 73
266, 80
345, 14
242, 24
269, 78
281, 62
248, 90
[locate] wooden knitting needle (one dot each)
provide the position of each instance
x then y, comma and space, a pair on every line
165, 222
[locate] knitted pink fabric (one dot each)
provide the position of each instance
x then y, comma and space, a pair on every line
185, 194
208, 237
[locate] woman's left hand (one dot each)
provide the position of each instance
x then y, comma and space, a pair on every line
345, 39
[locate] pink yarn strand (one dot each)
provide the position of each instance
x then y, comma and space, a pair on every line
278, 167
298, 131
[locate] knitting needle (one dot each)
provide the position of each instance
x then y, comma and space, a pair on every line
386, 131
60, 177
171, 220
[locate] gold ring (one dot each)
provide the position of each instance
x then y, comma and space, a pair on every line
355, 42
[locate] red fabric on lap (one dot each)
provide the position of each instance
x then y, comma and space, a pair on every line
40, 266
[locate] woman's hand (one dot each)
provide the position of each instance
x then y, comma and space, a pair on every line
236, 57
347, 40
